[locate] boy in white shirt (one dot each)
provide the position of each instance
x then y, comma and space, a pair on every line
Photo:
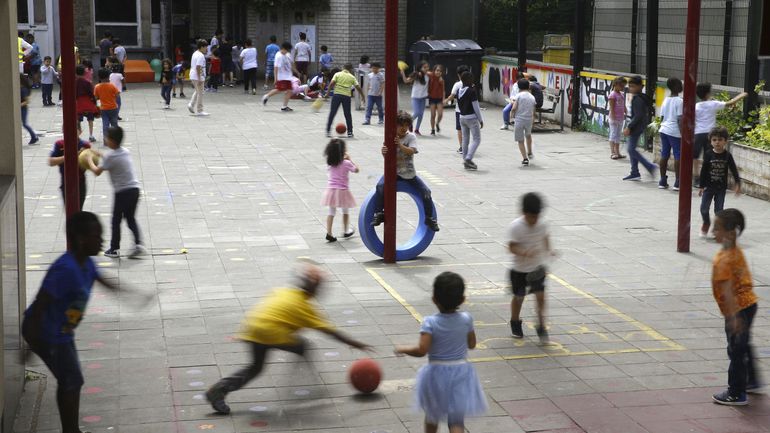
116, 78
524, 108
670, 135
452, 96
705, 120
302, 54
47, 75
284, 71
376, 85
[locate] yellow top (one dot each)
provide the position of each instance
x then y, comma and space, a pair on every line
344, 82
730, 265
21, 51
283, 313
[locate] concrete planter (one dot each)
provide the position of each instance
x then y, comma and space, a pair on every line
754, 167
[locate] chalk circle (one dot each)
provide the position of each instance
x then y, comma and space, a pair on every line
301, 392
258, 424
92, 418
92, 390
419, 241
258, 408
93, 366
95, 344
199, 397
332, 354
196, 384
194, 371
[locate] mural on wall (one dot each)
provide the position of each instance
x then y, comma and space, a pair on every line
497, 79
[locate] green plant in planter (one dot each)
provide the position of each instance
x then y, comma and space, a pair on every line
732, 117
759, 136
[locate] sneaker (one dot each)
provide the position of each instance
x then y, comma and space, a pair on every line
432, 224
366, 122
190, 109
350, 135
111, 253
504, 127
286, 109
349, 233
328, 134
470, 165
460, 149
33, 142
726, 399
531, 156
92, 139
166, 107
633, 177
202, 114
417, 132
181, 95
542, 334
264, 87
173, 95
438, 128
217, 400
754, 388
253, 91
663, 183
264, 100
139, 251
380, 122
433, 132
525, 162
330, 238
676, 186
120, 118
378, 219
230, 85
516, 329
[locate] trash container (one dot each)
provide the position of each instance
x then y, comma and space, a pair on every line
556, 49
450, 53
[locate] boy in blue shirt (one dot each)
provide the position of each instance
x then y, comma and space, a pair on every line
326, 60
270, 51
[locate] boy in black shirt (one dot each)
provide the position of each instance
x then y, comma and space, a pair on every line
640, 117
713, 176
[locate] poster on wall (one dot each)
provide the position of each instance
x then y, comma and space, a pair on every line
307, 29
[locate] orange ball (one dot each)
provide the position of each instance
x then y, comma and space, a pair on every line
341, 128
365, 375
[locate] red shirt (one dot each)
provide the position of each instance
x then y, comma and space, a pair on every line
216, 66
179, 54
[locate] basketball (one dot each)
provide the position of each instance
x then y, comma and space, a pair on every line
84, 156
365, 375
402, 65
341, 128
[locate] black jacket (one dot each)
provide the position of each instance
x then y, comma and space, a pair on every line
640, 114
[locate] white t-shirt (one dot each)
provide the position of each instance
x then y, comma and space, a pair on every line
531, 239
249, 58
120, 53
117, 80
671, 110
456, 93
514, 91
198, 59
283, 64
118, 163
525, 108
706, 115
420, 90
303, 51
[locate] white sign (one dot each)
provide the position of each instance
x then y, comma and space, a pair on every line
307, 29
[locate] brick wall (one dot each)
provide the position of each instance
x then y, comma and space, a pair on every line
84, 36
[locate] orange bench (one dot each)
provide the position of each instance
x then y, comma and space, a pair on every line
138, 71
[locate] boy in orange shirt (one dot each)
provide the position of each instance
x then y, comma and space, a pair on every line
107, 94
732, 287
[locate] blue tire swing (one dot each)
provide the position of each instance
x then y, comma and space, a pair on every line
419, 241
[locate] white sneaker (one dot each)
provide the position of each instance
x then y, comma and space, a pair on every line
166, 107
140, 250
202, 114
190, 109
504, 127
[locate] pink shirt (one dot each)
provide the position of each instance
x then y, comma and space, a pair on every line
89, 75
619, 111
338, 175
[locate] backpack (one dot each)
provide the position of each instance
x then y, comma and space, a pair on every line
537, 92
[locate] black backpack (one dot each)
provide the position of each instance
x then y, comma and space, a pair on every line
537, 92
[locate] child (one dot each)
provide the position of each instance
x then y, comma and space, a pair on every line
617, 116
107, 94
363, 64
406, 142
274, 325
85, 102
670, 136
166, 82
126, 186
713, 176
117, 79
283, 71
732, 288
436, 98
47, 75
705, 120
374, 94
530, 245
343, 83
524, 113
471, 121
337, 193
49, 323
270, 51
215, 71
509, 106
456, 89
25, 89
89, 74
56, 158
316, 86
248, 61
302, 53
447, 389
325, 60
640, 117
420, 82
179, 71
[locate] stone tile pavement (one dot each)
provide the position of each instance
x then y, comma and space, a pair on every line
231, 201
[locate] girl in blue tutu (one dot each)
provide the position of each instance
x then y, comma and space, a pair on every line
447, 389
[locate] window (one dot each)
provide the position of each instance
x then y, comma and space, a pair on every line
22, 13
39, 12
155, 11
119, 17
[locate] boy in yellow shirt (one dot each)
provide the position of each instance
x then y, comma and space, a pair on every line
274, 325
732, 287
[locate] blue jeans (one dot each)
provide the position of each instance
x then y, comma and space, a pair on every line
709, 194
338, 100
507, 113
635, 157
741, 354
371, 101
418, 109
24, 112
109, 118
427, 200
165, 92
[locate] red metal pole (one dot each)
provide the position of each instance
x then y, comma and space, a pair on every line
688, 125
391, 108
69, 117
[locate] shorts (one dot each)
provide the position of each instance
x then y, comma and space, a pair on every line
521, 130
616, 131
457, 121
283, 85
669, 144
269, 70
228, 67
60, 358
89, 116
701, 145
302, 67
519, 283
435, 101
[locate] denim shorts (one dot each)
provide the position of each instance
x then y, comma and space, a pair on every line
669, 144
616, 129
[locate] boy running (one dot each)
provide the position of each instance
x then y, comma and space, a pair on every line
524, 113
284, 70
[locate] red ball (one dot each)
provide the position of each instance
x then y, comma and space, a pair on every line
365, 375
341, 128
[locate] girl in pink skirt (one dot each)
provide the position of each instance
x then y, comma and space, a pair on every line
337, 194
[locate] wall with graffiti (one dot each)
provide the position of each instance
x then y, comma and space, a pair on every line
498, 74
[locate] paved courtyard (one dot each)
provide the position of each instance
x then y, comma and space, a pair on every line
231, 202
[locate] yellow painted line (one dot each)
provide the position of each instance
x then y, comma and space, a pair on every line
397, 296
